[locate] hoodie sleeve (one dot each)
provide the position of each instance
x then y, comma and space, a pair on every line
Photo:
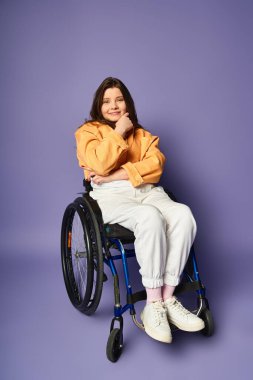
100, 154
150, 167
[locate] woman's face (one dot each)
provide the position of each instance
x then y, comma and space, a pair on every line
113, 105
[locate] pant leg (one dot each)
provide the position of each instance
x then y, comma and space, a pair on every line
180, 232
124, 206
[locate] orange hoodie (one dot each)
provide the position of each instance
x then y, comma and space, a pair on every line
103, 150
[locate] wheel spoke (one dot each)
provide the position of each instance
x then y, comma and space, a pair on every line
81, 281
79, 251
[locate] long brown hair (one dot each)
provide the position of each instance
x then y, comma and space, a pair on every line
110, 82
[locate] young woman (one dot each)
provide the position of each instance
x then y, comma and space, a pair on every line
123, 162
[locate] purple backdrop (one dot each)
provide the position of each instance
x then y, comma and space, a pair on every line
188, 65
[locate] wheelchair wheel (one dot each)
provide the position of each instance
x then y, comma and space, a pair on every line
114, 345
207, 317
82, 256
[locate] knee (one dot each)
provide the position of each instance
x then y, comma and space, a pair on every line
183, 220
186, 218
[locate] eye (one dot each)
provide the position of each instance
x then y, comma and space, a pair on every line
106, 101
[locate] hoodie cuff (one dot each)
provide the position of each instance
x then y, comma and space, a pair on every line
134, 176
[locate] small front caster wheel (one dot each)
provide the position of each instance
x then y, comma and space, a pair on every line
114, 345
207, 317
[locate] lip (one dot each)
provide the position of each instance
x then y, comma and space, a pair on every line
114, 113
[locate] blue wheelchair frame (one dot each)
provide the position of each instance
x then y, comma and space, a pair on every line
194, 283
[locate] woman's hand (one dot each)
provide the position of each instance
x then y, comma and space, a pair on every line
99, 179
90, 172
117, 175
124, 125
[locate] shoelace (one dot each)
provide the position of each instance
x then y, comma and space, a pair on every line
176, 305
160, 313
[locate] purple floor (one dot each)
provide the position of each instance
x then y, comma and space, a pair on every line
44, 337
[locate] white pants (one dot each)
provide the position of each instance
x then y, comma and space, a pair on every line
164, 230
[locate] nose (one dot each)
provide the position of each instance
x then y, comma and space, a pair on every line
114, 104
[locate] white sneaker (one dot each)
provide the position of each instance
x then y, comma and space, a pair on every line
181, 317
155, 322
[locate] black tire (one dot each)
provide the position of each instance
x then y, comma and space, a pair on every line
207, 317
114, 345
82, 257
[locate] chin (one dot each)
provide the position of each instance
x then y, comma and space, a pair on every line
113, 119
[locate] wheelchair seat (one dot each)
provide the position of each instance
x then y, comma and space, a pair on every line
114, 230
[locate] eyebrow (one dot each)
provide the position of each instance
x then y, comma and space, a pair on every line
120, 96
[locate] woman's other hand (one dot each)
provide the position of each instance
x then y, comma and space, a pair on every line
117, 175
99, 179
91, 174
124, 125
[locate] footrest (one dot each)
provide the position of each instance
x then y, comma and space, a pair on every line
135, 297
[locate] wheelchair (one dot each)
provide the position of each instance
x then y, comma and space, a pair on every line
87, 244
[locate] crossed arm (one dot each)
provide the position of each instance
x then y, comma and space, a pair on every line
98, 179
105, 159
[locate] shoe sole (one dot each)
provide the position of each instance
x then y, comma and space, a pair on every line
153, 334
188, 328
